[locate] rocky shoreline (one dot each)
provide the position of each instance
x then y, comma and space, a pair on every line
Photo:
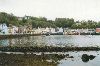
40, 59
47, 49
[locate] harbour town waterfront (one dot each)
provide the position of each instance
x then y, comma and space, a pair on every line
25, 30
49, 32
32, 41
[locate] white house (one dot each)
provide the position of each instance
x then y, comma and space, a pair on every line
61, 30
38, 31
86, 30
46, 30
13, 30
52, 30
3, 28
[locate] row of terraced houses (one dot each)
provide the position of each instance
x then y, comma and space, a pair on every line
4, 29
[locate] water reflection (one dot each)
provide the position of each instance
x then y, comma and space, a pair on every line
4, 42
53, 40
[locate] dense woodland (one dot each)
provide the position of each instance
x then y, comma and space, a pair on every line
44, 22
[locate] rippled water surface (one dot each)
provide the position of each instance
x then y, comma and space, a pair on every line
54, 40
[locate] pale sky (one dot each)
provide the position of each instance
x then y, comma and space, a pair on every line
77, 9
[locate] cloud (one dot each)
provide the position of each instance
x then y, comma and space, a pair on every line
78, 9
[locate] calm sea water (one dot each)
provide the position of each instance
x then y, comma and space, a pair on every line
54, 40
80, 60
91, 58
